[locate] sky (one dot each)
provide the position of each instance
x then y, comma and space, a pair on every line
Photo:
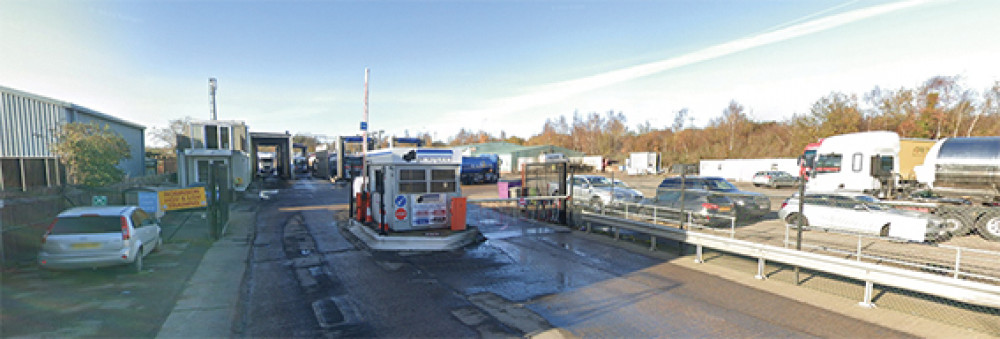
437, 66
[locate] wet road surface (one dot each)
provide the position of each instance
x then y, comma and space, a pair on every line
525, 277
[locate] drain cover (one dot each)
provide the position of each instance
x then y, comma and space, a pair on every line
335, 312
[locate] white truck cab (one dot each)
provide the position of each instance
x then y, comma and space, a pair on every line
853, 162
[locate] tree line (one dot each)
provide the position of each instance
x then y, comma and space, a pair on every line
940, 107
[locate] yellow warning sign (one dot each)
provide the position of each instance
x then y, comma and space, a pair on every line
183, 198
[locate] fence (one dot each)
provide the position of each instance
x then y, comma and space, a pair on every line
24, 216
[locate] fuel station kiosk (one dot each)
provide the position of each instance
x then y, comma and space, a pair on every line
411, 199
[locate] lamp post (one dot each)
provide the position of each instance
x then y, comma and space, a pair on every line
212, 85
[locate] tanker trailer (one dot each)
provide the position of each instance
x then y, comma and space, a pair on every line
963, 180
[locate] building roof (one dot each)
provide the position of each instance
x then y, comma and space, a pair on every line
72, 106
509, 148
492, 147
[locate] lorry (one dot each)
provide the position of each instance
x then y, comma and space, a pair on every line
808, 159
957, 179
480, 169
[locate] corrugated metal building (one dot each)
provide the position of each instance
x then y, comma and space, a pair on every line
510, 154
27, 130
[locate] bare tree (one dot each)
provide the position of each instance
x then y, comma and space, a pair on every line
991, 105
679, 118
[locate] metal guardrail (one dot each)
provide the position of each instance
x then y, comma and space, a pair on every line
966, 291
664, 214
955, 270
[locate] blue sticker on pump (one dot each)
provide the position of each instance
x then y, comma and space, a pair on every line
400, 200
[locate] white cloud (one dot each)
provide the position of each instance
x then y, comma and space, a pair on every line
524, 107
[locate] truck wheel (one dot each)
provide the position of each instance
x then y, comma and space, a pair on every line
957, 224
989, 226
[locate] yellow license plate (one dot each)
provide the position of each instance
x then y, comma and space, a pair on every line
85, 245
724, 209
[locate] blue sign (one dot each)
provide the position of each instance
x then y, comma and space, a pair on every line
400, 200
364, 125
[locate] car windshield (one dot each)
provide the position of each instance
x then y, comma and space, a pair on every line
619, 183
87, 224
871, 202
600, 182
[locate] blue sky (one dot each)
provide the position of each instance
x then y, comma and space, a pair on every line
438, 66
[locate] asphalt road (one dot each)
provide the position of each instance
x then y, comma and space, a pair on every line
524, 278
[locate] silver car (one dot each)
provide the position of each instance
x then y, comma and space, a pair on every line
862, 214
99, 236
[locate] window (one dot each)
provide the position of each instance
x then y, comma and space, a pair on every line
211, 137
202, 167
202, 171
443, 181
87, 224
828, 163
719, 185
884, 163
140, 218
412, 181
668, 195
857, 162
217, 137
224, 137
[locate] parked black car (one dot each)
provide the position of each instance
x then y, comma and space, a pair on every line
705, 207
748, 204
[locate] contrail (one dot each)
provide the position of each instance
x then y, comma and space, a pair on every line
561, 90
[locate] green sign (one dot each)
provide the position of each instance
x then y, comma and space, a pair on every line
99, 200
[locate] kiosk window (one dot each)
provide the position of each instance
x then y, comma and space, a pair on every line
440, 175
412, 174
442, 181
412, 181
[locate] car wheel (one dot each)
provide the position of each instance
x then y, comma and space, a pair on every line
989, 226
137, 264
596, 205
792, 219
774, 185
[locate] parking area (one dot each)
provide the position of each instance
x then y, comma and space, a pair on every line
973, 256
967, 257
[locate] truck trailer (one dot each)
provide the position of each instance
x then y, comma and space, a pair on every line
957, 179
480, 169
